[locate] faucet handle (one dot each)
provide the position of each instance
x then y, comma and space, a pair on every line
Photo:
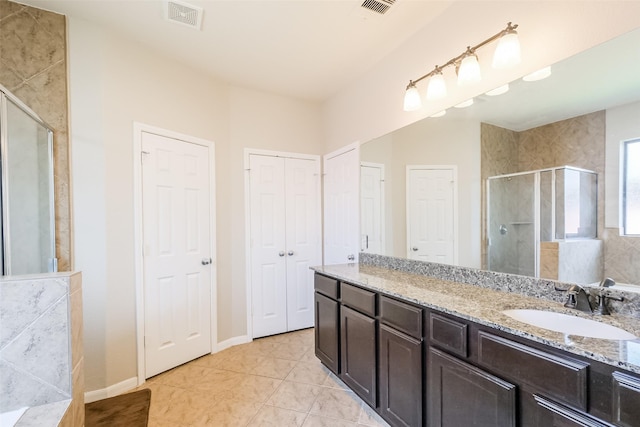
607, 282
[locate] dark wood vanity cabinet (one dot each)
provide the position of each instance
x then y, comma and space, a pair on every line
401, 363
327, 322
461, 394
417, 366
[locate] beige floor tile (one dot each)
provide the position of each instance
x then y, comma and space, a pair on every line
210, 360
310, 356
311, 373
228, 412
289, 350
274, 368
318, 421
244, 363
254, 388
158, 422
295, 396
270, 416
334, 382
335, 403
368, 417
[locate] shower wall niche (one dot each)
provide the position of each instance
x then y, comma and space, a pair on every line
543, 223
27, 196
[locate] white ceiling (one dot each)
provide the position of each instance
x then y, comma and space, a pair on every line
306, 49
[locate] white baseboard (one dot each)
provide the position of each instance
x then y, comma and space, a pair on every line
242, 339
112, 390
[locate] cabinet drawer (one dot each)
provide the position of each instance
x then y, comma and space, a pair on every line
561, 378
626, 395
401, 316
326, 285
357, 298
448, 334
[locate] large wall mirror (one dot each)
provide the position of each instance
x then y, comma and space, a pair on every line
424, 192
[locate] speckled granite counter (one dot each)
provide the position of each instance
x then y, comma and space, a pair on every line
484, 306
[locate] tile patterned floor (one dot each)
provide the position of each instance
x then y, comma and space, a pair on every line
273, 381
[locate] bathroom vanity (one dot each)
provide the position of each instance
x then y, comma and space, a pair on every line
421, 350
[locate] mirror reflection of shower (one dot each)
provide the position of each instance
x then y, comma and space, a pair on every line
543, 223
28, 219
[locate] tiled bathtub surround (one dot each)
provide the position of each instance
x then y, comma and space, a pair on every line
486, 306
41, 348
523, 285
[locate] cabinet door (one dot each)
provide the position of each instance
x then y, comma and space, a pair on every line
358, 353
463, 395
400, 359
626, 400
553, 414
327, 331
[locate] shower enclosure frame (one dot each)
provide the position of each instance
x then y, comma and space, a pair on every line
536, 216
5, 233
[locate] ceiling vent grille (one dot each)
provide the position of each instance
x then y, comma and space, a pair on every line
184, 13
378, 6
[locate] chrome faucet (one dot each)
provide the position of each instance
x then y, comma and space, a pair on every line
601, 307
577, 298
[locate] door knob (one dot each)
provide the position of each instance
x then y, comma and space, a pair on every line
281, 253
290, 253
351, 257
206, 261
414, 249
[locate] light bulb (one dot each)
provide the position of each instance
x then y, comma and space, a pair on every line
469, 70
507, 52
437, 88
412, 98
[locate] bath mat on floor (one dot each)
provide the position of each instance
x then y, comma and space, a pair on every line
126, 410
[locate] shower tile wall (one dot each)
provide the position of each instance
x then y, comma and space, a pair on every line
579, 141
41, 354
33, 67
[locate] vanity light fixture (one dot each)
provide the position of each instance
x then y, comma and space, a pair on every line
507, 54
465, 104
499, 90
542, 73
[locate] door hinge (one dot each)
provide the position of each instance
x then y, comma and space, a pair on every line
144, 155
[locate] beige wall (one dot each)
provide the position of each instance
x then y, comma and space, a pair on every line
115, 82
33, 66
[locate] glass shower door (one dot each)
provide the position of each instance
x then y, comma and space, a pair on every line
511, 224
28, 224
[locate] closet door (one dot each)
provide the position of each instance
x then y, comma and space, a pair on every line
268, 246
303, 239
285, 242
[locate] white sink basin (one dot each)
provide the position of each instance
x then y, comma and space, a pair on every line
570, 325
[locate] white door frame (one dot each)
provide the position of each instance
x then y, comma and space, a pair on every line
138, 130
454, 169
247, 219
383, 203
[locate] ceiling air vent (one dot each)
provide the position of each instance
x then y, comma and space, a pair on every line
184, 13
378, 6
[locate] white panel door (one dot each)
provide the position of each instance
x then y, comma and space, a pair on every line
268, 245
285, 242
341, 207
303, 239
430, 214
371, 208
177, 251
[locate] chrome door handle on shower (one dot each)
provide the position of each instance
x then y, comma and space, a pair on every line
206, 261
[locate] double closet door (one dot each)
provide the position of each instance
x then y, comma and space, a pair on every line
285, 241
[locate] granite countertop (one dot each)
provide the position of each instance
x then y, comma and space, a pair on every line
484, 306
